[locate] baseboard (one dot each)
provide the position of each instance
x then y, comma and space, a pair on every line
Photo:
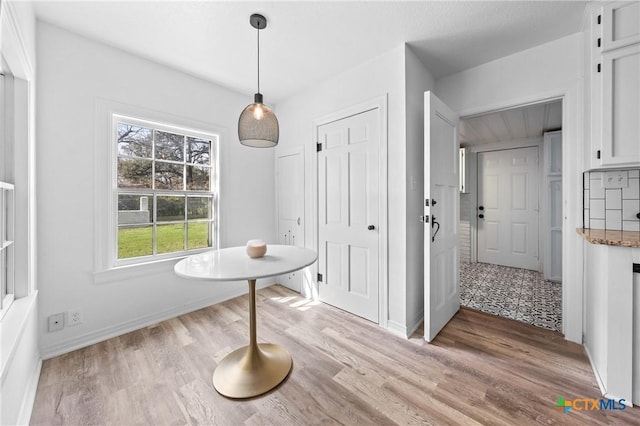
106, 333
413, 326
599, 381
397, 329
24, 417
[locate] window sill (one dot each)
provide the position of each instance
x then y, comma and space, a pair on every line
12, 328
118, 273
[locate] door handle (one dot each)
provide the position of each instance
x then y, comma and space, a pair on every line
371, 227
434, 223
481, 208
481, 216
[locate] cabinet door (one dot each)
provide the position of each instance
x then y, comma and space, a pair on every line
621, 106
620, 24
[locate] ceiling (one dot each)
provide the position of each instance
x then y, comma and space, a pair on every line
515, 124
306, 42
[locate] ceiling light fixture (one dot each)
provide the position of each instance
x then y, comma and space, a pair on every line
258, 125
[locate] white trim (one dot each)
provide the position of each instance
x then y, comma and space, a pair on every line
405, 331
501, 146
572, 155
603, 390
105, 265
24, 417
379, 103
12, 328
15, 52
396, 328
88, 339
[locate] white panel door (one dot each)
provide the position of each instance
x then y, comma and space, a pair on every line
290, 199
508, 207
442, 212
348, 209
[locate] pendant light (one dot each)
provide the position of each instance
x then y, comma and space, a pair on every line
258, 125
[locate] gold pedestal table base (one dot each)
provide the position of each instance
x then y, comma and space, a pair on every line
255, 369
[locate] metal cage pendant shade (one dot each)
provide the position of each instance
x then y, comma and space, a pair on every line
258, 125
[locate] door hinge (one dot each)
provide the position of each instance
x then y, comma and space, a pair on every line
319, 278
598, 154
599, 19
318, 147
599, 41
599, 67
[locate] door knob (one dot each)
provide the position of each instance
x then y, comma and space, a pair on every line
481, 208
481, 216
371, 227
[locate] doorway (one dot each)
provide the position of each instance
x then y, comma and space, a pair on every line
509, 213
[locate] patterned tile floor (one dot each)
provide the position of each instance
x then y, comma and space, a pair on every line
514, 293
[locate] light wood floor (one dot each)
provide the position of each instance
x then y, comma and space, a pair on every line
480, 370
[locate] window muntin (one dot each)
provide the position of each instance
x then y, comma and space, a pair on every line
166, 188
7, 273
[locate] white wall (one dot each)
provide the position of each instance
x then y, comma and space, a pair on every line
75, 75
547, 71
418, 79
384, 75
19, 356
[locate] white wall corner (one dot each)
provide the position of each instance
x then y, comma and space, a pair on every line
398, 329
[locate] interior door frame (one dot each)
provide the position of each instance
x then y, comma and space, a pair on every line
572, 165
379, 103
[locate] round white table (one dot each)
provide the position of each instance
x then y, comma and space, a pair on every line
257, 368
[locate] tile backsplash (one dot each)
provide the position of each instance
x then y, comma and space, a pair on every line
611, 199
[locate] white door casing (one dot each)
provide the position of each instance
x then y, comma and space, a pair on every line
441, 184
348, 206
508, 201
290, 205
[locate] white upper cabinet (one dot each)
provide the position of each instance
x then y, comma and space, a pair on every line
621, 25
615, 85
621, 106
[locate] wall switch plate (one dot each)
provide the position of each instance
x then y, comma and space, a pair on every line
615, 179
74, 317
56, 322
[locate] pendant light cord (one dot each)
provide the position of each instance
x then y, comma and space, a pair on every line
258, 58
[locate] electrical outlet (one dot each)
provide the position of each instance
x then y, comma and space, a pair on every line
74, 317
56, 322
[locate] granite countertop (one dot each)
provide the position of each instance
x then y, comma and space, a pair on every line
611, 238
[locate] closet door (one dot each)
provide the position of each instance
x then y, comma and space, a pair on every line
290, 205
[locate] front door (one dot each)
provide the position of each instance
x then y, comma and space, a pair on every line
508, 207
442, 213
348, 210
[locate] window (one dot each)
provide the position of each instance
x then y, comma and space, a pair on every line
167, 196
7, 267
6, 247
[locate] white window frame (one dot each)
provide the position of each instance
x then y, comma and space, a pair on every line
107, 268
213, 189
7, 257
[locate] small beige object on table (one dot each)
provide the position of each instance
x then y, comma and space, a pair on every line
257, 368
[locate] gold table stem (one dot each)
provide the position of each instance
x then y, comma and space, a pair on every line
255, 369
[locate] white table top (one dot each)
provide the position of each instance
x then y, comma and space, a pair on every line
231, 264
